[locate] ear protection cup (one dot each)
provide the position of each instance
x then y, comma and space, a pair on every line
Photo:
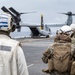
13, 28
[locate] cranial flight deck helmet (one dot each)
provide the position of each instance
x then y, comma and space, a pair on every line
6, 22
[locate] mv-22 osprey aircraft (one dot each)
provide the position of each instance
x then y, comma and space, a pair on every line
36, 30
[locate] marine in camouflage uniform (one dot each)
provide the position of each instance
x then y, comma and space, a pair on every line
59, 38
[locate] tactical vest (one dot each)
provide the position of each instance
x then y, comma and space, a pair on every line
61, 57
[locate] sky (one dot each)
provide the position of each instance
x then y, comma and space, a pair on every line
49, 8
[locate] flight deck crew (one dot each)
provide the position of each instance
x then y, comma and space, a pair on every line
12, 59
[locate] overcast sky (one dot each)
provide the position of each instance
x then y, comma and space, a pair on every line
49, 8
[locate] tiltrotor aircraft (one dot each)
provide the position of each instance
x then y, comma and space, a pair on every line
36, 30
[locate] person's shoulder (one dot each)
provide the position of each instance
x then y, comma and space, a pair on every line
14, 42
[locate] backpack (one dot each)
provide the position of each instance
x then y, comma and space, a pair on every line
46, 55
61, 56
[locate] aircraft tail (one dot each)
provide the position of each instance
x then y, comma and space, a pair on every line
42, 24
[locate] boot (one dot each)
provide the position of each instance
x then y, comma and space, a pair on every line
46, 71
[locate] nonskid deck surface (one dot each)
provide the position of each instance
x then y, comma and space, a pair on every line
33, 49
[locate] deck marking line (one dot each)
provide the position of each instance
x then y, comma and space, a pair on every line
30, 65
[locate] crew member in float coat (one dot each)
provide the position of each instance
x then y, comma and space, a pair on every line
12, 59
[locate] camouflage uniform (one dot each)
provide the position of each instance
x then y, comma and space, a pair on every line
60, 38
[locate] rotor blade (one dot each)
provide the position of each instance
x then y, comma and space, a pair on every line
68, 14
64, 13
14, 11
28, 12
17, 13
6, 10
73, 14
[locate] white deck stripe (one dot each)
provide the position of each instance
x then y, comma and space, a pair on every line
30, 65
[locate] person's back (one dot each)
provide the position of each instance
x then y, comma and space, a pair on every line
6, 54
12, 59
62, 38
